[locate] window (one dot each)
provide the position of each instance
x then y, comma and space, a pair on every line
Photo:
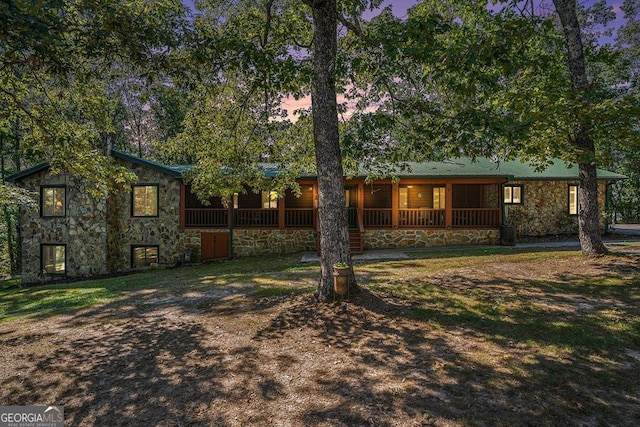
439, 198
144, 200
269, 200
53, 259
421, 196
573, 200
52, 201
144, 256
403, 195
513, 194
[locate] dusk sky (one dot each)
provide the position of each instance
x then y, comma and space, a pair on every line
400, 7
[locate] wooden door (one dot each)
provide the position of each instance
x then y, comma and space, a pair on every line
214, 245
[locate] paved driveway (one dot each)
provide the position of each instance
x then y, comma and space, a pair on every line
626, 228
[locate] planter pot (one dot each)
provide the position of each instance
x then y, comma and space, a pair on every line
340, 280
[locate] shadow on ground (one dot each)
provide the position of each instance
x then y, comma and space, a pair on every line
444, 350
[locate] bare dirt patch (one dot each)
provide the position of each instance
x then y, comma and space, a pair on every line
486, 343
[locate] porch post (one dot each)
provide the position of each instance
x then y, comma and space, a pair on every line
449, 205
231, 211
361, 198
281, 207
395, 204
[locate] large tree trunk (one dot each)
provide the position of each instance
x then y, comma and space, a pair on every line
588, 211
334, 233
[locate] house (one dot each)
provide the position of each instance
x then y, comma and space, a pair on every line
160, 221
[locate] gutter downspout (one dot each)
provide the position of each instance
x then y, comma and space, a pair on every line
502, 205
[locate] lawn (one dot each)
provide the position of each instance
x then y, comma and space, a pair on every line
500, 336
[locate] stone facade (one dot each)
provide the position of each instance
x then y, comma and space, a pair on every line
99, 234
387, 239
544, 209
82, 230
162, 231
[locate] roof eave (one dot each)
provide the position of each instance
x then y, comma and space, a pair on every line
147, 163
25, 173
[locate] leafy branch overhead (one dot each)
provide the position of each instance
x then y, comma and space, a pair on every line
58, 62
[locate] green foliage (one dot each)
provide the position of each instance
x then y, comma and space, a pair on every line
458, 78
247, 58
56, 64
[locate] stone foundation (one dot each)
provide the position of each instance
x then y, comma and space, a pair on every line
388, 239
247, 242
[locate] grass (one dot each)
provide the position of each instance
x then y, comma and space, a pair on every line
269, 276
435, 295
474, 336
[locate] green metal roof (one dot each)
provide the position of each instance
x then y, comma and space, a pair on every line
462, 167
482, 167
173, 171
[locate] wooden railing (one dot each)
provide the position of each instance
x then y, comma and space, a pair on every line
298, 218
205, 217
352, 217
477, 217
421, 217
371, 218
377, 217
251, 218
255, 218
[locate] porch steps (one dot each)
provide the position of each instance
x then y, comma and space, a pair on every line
356, 242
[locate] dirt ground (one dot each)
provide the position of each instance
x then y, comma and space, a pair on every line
211, 358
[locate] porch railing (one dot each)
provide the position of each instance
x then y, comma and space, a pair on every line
377, 218
476, 217
249, 218
255, 218
298, 218
371, 218
204, 217
421, 218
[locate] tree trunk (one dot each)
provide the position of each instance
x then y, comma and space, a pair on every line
11, 250
588, 212
334, 233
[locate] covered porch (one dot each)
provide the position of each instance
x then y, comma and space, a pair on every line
408, 204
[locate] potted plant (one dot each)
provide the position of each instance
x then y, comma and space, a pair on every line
341, 278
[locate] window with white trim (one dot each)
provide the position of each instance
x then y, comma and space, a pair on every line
513, 194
